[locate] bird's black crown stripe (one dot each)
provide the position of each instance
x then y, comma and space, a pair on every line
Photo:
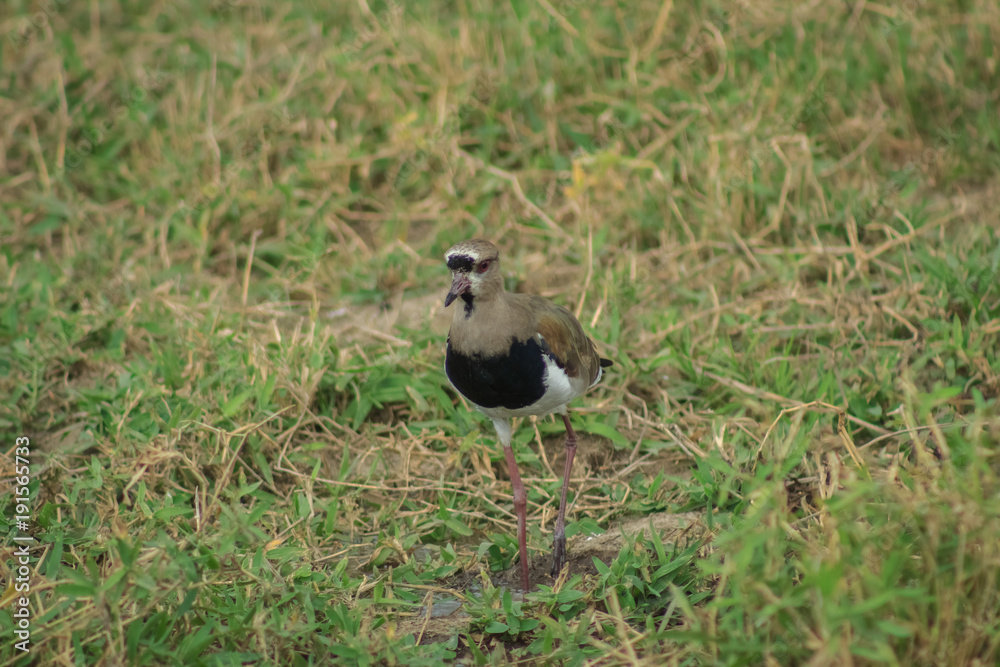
512, 380
460, 263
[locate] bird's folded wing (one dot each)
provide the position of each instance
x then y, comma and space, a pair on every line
566, 341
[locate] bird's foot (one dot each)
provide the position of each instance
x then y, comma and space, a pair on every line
558, 556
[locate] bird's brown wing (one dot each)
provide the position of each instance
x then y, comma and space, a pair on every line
566, 341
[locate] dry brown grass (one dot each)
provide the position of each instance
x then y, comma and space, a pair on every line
222, 327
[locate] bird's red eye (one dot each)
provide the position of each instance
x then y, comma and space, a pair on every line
483, 266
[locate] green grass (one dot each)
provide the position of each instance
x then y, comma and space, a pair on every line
222, 329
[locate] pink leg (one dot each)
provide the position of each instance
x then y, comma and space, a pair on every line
521, 507
559, 540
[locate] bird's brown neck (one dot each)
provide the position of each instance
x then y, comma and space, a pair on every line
482, 322
490, 298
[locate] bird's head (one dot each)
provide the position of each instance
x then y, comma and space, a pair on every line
475, 270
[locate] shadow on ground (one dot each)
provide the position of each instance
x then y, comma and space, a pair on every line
448, 617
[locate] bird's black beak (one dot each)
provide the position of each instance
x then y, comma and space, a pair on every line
459, 285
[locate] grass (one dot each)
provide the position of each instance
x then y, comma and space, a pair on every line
222, 330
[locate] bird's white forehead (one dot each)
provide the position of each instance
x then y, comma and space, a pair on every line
463, 255
463, 252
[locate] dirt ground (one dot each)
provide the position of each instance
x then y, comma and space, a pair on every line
448, 617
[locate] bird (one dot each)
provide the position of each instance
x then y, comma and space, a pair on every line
514, 355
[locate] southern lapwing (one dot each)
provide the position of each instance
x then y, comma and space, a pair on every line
514, 355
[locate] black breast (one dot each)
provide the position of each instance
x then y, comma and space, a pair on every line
512, 380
